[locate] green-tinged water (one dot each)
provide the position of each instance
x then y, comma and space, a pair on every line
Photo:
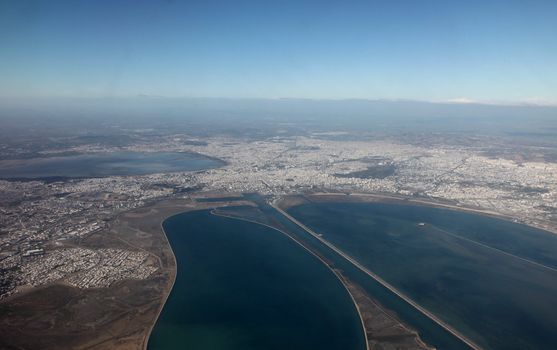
467, 269
244, 286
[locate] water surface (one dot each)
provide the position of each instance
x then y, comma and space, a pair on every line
497, 300
105, 164
244, 286
431, 332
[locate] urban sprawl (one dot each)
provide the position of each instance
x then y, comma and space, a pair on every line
40, 220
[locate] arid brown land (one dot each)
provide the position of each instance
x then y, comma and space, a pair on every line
57, 315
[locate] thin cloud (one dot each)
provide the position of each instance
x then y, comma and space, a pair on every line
530, 101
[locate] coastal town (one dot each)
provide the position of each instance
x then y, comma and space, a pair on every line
42, 222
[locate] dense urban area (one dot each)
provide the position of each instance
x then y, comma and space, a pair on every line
41, 220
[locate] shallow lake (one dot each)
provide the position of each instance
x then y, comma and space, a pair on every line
105, 164
493, 280
245, 286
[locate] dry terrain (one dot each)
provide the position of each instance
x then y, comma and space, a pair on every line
121, 316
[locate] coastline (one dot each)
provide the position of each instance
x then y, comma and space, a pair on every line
128, 307
519, 258
175, 207
341, 280
381, 326
170, 286
192, 205
378, 279
431, 202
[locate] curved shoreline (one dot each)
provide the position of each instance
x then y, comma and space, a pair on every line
175, 269
432, 202
383, 198
176, 208
171, 285
315, 255
212, 211
376, 197
378, 279
14, 163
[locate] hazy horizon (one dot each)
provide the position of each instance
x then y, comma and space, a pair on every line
497, 52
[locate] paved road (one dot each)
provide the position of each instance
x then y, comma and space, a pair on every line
381, 281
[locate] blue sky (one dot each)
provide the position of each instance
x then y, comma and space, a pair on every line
489, 51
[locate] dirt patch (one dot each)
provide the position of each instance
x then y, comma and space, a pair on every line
121, 316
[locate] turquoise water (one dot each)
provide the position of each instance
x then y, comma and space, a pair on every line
244, 286
106, 164
499, 301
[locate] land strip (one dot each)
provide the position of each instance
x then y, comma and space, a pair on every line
419, 308
120, 316
382, 329
431, 202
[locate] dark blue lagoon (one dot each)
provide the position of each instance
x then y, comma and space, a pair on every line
241, 285
493, 280
105, 164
